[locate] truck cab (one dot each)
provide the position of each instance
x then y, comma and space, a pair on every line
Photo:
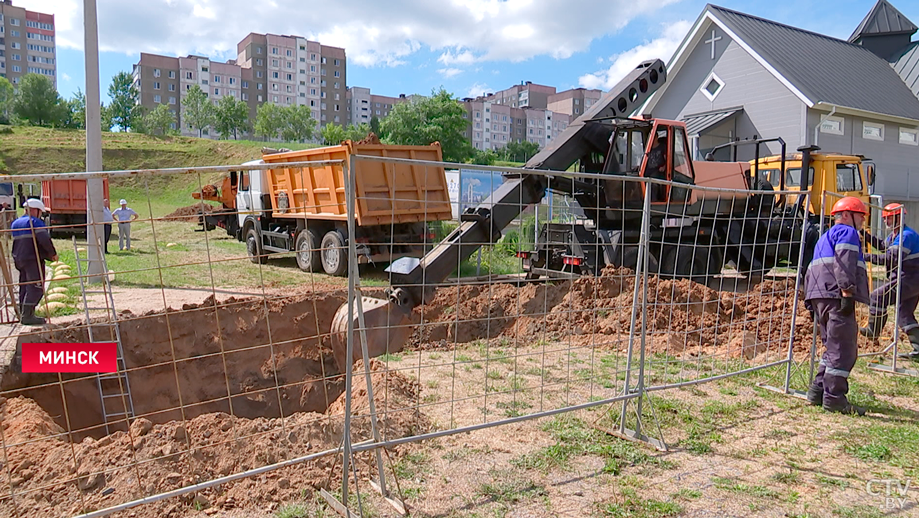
847, 175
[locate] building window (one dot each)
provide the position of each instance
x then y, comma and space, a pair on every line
322, 94
172, 74
259, 62
312, 57
909, 136
337, 63
204, 69
274, 63
204, 82
337, 85
290, 64
290, 77
245, 84
322, 106
245, 96
337, 97
172, 100
275, 75
14, 34
17, 68
14, 21
189, 75
156, 72
312, 91
323, 60
833, 126
232, 80
711, 87
337, 73
17, 57
157, 99
259, 98
289, 89
260, 86
289, 53
258, 50
274, 50
322, 72
274, 86
275, 98
312, 80
872, 131
337, 107
216, 91
156, 85
216, 79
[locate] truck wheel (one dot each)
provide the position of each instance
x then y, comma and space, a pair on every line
254, 247
308, 253
334, 254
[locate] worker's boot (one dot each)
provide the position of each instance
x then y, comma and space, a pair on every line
875, 326
913, 355
844, 407
29, 318
815, 395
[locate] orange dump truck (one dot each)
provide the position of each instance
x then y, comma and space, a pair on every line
304, 209
66, 202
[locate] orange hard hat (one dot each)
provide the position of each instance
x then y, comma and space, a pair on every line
893, 209
850, 204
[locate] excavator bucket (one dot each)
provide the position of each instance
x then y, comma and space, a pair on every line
388, 328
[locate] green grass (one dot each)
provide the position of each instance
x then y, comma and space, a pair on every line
508, 489
633, 506
294, 510
739, 487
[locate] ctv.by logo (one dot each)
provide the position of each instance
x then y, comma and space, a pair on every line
894, 491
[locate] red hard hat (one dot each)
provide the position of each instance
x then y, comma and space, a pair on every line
851, 204
893, 209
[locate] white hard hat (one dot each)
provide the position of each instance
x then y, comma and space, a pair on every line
123, 202
34, 203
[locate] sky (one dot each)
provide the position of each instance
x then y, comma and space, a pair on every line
394, 47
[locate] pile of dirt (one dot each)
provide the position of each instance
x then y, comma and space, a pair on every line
189, 213
247, 357
684, 317
371, 138
55, 477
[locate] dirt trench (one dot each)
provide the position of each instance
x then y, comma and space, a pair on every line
206, 358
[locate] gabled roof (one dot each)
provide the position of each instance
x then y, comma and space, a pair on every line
906, 63
883, 19
816, 68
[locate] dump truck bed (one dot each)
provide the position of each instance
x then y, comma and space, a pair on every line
66, 196
387, 193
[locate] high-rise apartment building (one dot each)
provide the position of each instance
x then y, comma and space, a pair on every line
524, 95
573, 102
493, 125
283, 70
364, 106
26, 43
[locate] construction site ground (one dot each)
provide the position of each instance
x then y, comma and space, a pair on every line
480, 354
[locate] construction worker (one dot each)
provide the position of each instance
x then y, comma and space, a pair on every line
835, 280
905, 274
32, 246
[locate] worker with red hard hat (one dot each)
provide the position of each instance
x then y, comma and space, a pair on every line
837, 278
899, 253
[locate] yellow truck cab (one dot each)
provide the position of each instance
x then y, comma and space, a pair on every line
847, 175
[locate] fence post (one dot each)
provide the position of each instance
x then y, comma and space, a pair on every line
349, 349
794, 305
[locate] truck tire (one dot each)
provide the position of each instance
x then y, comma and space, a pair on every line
308, 253
254, 247
334, 254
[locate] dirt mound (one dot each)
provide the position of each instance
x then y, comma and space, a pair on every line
684, 317
58, 478
189, 213
247, 357
371, 138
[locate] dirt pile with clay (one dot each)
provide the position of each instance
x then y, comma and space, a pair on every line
684, 317
189, 213
54, 478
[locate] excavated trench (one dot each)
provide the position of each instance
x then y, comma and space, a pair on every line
229, 357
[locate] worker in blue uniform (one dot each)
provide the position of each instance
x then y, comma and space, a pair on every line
32, 246
836, 279
899, 253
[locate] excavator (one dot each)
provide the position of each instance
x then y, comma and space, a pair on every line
693, 233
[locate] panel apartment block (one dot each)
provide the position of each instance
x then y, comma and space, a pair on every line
573, 102
493, 125
27, 43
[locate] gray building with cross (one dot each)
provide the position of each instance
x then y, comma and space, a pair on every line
737, 76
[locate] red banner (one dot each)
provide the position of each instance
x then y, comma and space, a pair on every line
70, 358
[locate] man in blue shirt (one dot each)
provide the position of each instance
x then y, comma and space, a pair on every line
899, 253
835, 280
32, 246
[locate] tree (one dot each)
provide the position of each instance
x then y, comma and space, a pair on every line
519, 151
197, 110
269, 120
375, 125
486, 157
358, 132
298, 123
159, 120
6, 99
78, 110
425, 120
124, 97
38, 102
232, 117
332, 134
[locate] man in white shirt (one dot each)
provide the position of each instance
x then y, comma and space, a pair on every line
124, 216
107, 219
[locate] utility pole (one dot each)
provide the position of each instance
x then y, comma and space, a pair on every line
94, 186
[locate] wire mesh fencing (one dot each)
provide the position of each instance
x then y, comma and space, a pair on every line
321, 313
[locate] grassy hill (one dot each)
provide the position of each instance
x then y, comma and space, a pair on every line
28, 150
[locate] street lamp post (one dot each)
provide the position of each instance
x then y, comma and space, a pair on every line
94, 186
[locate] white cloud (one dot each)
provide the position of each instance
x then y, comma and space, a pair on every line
661, 47
477, 90
449, 72
373, 32
65, 76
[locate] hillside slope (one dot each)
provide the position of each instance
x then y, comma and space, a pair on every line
29, 150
